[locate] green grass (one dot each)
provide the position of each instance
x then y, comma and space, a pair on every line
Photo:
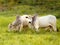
28, 9
27, 37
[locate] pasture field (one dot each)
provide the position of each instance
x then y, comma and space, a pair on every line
8, 11
27, 36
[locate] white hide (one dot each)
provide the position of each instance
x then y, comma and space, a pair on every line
24, 20
45, 21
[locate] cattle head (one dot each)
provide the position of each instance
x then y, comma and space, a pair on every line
14, 25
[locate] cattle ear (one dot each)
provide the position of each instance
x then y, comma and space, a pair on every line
17, 17
35, 15
34, 18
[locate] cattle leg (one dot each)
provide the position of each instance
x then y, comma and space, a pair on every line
21, 26
50, 28
18, 27
46, 28
36, 27
54, 28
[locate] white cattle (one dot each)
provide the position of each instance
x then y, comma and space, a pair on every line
43, 21
19, 23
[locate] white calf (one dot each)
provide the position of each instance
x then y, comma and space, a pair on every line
20, 22
44, 21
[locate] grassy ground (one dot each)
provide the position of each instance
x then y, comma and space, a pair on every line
27, 37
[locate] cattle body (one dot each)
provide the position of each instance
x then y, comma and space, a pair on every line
44, 21
19, 23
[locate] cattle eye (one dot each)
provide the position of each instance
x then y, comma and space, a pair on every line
29, 22
26, 17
